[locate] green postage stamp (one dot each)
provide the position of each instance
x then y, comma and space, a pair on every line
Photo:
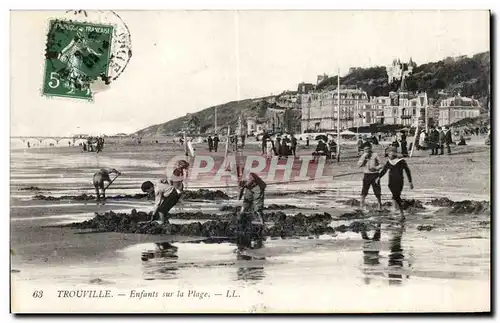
77, 54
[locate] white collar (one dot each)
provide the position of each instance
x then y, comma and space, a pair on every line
395, 161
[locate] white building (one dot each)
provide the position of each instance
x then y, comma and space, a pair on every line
401, 108
319, 109
456, 108
398, 70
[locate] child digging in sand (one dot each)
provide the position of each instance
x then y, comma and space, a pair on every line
396, 166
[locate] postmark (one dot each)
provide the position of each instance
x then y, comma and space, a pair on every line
85, 52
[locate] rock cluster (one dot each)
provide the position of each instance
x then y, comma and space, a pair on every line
462, 207
219, 226
407, 204
188, 195
205, 195
31, 188
232, 208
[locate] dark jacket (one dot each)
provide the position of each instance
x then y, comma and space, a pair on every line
434, 136
441, 137
447, 137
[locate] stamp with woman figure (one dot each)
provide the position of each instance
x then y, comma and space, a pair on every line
77, 54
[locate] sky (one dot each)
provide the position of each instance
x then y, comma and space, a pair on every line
186, 61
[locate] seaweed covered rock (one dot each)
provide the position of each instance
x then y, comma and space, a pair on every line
232, 208
30, 188
462, 207
442, 201
188, 195
228, 208
88, 197
471, 207
280, 207
356, 227
306, 192
408, 204
138, 222
205, 195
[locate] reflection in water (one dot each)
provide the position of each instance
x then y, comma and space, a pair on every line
160, 263
248, 269
371, 255
396, 256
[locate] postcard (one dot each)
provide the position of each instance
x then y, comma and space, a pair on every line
233, 161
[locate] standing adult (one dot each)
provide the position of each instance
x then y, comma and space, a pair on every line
216, 142
447, 140
434, 140
294, 145
404, 144
421, 141
277, 146
265, 137
441, 140
210, 143
190, 148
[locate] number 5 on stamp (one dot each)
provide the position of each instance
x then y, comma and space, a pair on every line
77, 54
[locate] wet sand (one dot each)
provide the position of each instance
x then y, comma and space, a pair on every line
456, 252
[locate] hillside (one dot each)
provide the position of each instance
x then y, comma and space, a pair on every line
468, 75
227, 113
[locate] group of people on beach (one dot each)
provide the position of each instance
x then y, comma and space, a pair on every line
282, 146
93, 144
436, 140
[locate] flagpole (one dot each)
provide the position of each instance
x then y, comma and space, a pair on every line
359, 117
215, 126
426, 115
338, 115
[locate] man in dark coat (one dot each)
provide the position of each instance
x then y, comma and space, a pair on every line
441, 140
216, 142
277, 146
434, 140
447, 140
210, 143
404, 144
